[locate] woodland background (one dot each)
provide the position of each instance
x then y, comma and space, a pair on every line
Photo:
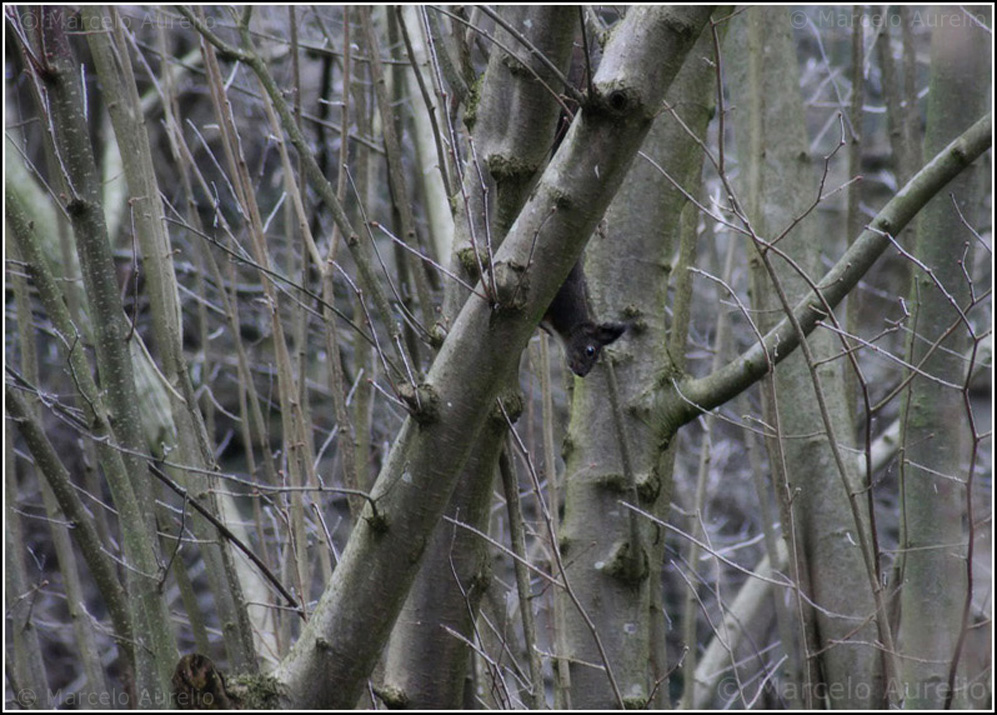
272, 277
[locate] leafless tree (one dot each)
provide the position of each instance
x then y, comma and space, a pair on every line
281, 431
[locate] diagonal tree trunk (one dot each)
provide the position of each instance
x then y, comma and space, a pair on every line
338, 648
426, 665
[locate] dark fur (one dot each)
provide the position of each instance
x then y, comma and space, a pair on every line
568, 318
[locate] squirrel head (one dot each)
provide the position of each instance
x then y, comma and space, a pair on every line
586, 342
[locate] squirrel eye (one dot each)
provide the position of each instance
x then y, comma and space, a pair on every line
589, 350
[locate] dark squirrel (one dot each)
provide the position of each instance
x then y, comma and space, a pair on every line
568, 318
568, 315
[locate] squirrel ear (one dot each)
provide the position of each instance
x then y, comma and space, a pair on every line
607, 333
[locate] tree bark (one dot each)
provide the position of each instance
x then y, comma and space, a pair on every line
339, 646
935, 488
631, 263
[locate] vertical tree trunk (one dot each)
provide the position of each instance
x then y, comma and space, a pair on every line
780, 183
630, 264
934, 491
